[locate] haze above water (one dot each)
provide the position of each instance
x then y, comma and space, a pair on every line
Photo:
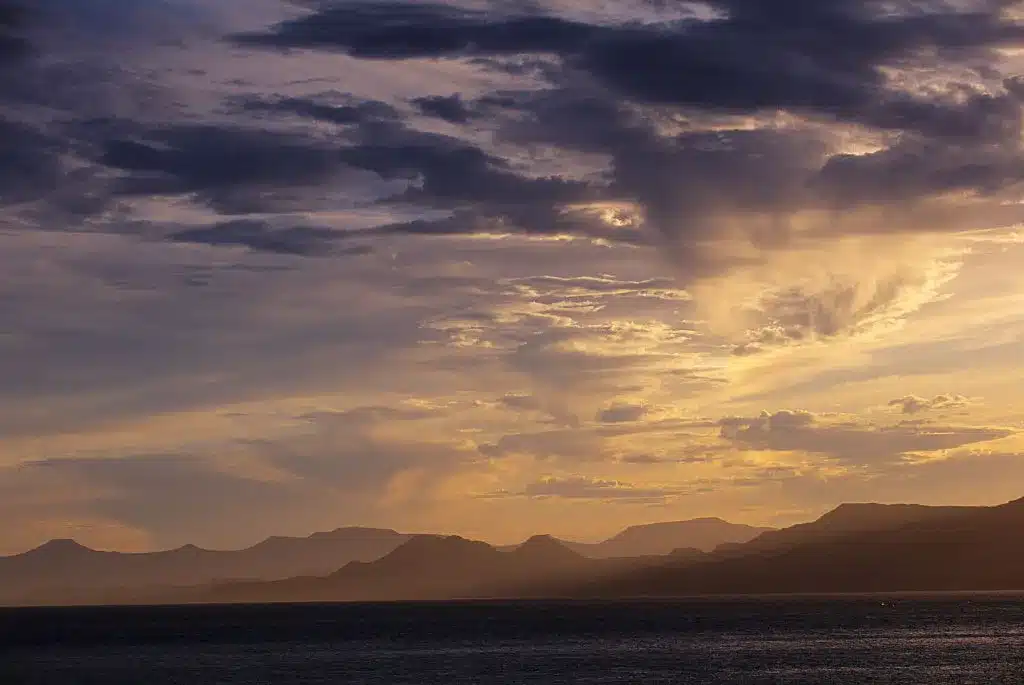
954, 640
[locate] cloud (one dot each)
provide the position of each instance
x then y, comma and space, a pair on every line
69, 77
714, 179
851, 443
394, 30
148, 493
153, 326
305, 241
565, 443
31, 164
912, 404
12, 45
520, 402
684, 454
482, 192
237, 170
675, 439
360, 450
583, 488
308, 472
556, 288
347, 114
179, 206
726, 136
476, 191
622, 413
450, 108
746, 58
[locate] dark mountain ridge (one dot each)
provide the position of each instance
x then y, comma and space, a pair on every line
854, 548
655, 539
67, 569
875, 549
846, 519
432, 567
65, 566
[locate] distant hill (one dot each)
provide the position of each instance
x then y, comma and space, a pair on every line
426, 567
432, 567
64, 568
854, 548
844, 520
704, 534
657, 539
862, 548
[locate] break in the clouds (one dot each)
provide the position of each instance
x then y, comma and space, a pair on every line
398, 253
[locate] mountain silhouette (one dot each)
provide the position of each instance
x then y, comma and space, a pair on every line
704, 534
844, 520
865, 548
67, 569
427, 567
854, 548
548, 551
434, 567
657, 539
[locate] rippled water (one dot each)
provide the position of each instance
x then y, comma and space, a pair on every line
955, 640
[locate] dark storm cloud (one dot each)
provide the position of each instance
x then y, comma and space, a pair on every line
482, 191
815, 55
395, 30
30, 165
918, 169
12, 45
64, 64
822, 59
238, 169
454, 175
362, 112
261, 236
450, 108
231, 168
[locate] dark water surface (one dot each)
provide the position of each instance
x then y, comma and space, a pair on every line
955, 640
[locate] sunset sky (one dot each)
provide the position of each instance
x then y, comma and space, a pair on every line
498, 267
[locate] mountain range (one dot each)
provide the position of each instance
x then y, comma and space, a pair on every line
704, 534
67, 570
854, 548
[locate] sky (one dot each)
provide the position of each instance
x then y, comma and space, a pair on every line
501, 267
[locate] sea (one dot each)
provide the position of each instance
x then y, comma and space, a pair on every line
959, 640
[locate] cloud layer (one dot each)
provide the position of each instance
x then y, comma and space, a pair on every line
481, 266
